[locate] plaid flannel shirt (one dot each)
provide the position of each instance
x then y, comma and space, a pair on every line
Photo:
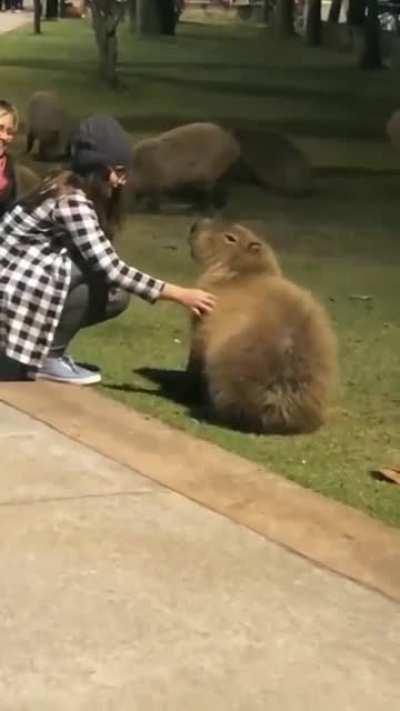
35, 271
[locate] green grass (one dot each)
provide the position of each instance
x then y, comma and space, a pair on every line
342, 241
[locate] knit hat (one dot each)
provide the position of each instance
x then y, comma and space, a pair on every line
99, 142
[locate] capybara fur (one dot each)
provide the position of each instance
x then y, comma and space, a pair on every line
192, 157
274, 162
26, 178
265, 359
47, 124
393, 129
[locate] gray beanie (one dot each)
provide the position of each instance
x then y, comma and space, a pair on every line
100, 142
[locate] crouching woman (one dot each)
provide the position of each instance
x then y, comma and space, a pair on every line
59, 273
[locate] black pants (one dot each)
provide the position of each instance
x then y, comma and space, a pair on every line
90, 301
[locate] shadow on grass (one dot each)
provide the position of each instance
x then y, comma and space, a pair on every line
173, 385
210, 85
53, 65
320, 128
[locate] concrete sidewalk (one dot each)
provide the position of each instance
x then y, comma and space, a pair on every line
118, 594
12, 20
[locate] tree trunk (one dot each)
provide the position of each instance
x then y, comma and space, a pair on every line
156, 17
313, 23
108, 50
106, 15
167, 15
334, 12
51, 9
356, 13
283, 18
371, 57
132, 14
148, 20
267, 10
37, 12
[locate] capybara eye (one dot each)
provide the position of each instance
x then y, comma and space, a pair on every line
230, 237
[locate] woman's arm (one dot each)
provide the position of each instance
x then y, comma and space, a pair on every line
76, 215
199, 302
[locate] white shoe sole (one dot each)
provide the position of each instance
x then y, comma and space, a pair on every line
89, 380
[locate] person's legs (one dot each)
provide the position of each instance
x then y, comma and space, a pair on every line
89, 301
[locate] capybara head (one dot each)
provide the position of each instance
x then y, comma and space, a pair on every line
232, 247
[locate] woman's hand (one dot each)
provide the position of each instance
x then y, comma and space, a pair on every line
198, 302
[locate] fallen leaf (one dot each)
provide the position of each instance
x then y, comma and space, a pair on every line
360, 297
391, 474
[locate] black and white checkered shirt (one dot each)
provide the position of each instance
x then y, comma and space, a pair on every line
35, 270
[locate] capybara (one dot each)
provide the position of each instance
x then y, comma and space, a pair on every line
393, 129
265, 359
26, 179
274, 162
194, 156
48, 124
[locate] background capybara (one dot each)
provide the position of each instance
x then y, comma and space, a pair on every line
49, 125
275, 162
26, 179
393, 129
265, 358
194, 156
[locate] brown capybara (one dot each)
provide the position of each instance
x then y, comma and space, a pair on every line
48, 124
393, 129
274, 162
265, 358
26, 179
192, 157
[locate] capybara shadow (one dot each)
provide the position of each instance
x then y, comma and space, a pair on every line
174, 385
265, 359
26, 179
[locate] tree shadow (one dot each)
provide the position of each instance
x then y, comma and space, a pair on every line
248, 88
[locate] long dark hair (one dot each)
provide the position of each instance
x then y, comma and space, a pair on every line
108, 202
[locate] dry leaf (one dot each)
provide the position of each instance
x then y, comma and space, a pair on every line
360, 297
391, 474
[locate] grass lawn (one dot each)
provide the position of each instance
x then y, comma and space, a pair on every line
342, 241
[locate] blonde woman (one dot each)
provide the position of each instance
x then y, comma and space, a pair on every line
8, 130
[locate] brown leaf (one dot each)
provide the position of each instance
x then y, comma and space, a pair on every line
391, 474
360, 297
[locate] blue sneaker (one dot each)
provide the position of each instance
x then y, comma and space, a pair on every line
65, 370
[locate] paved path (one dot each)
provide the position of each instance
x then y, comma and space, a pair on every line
12, 20
118, 594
